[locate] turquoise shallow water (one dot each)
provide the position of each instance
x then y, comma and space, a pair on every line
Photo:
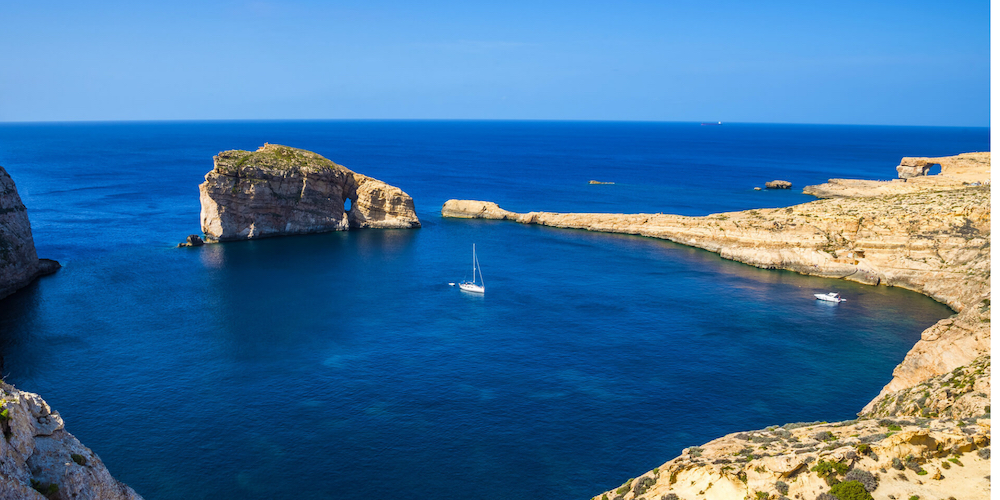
343, 363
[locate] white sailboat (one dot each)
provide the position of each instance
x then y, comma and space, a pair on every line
471, 286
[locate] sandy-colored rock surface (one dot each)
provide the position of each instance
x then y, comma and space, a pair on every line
896, 458
930, 234
278, 190
19, 264
957, 172
38, 455
968, 167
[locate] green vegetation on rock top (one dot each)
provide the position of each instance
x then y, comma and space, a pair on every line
274, 157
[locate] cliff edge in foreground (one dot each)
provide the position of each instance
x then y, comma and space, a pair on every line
278, 190
19, 264
927, 432
39, 459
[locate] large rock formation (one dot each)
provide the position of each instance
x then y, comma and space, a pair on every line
963, 164
19, 264
39, 459
957, 172
931, 236
278, 190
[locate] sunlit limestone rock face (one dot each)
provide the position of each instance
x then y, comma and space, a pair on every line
927, 434
19, 264
39, 459
967, 163
278, 190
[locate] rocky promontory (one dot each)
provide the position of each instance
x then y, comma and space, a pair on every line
957, 172
279, 190
40, 460
19, 264
930, 234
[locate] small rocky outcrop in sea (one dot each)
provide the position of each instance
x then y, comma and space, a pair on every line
193, 240
19, 264
778, 184
279, 190
39, 459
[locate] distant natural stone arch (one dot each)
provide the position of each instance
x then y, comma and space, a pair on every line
950, 165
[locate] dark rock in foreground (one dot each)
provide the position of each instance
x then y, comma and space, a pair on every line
193, 240
19, 264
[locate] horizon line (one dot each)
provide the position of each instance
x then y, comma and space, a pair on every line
537, 120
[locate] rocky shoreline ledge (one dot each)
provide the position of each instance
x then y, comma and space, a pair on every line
927, 432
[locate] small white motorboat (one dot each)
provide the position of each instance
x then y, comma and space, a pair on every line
829, 297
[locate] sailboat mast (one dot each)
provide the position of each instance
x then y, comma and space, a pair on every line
473, 262
481, 281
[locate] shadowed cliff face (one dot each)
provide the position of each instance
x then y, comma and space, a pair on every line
18, 261
278, 190
19, 264
37, 455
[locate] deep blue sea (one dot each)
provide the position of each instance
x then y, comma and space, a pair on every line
343, 364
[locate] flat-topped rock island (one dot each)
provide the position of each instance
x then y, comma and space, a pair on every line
927, 432
279, 190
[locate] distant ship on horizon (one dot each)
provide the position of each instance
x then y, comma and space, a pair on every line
711, 123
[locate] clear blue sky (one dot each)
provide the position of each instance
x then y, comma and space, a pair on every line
870, 62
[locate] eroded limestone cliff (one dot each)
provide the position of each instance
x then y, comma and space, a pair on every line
19, 264
278, 190
39, 459
931, 235
957, 172
887, 458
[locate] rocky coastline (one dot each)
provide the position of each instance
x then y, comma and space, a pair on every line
39, 459
927, 432
278, 190
19, 263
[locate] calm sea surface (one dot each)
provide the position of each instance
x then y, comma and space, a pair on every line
343, 363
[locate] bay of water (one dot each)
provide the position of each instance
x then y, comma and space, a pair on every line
343, 364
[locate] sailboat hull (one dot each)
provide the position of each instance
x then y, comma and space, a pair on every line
829, 297
472, 287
